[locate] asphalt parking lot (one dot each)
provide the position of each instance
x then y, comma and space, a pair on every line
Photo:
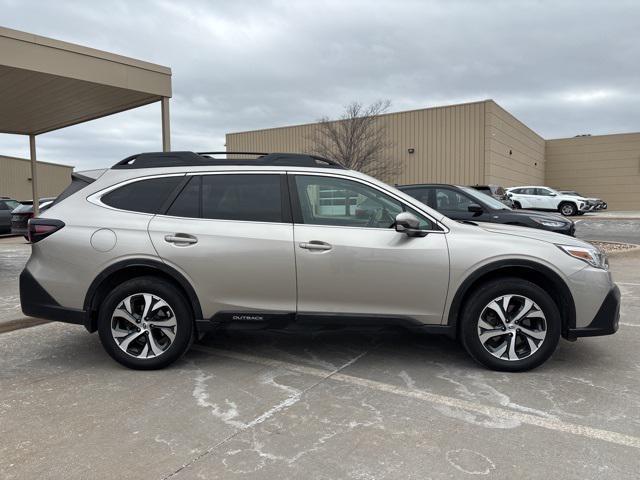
322, 405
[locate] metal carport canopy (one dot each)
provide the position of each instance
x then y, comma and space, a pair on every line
48, 84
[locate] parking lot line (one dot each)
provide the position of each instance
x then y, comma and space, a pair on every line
436, 399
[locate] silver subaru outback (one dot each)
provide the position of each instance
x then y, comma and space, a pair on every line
165, 246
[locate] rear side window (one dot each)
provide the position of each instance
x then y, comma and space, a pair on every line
188, 203
248, 197
144, 196
245, 197
420, 194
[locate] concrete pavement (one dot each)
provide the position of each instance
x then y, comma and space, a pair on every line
330, 405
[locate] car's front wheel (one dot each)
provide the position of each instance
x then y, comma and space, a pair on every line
510, 324
568, 209
145, 323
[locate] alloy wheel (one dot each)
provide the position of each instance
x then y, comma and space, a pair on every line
567, 210
512, 327
143, 325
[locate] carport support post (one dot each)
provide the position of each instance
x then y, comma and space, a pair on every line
34, 175
166, 132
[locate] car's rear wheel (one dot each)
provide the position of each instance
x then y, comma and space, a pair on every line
145, 323
510, 324
568, 209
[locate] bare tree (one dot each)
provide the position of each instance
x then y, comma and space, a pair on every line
358, 140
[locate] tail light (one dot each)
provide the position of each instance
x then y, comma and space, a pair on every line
40, 228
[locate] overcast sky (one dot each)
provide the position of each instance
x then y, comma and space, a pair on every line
562, 67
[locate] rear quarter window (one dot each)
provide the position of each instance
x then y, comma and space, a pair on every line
144, 196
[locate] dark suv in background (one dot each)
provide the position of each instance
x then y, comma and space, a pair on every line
468, 204
6, 206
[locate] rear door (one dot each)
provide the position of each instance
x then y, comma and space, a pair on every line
351, 261
231, 235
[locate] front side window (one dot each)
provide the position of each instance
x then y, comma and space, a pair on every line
144, 196
447, 199
342, 202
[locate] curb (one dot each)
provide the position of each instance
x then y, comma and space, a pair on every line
635, 248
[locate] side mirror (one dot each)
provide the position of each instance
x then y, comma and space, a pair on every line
409, 224
554, 194
475, 208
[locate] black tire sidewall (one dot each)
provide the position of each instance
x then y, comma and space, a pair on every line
170, 294
496, 288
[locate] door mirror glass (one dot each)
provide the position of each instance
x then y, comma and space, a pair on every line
409, 224
475, 208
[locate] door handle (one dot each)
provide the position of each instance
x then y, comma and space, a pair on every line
316, 245
180, 238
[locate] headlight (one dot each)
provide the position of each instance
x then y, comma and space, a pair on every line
549, 223
592, 256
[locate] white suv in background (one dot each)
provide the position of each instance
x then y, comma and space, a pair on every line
545, 198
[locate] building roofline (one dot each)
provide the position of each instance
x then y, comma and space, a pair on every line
39, 161
580, 137
82, 50
381, 115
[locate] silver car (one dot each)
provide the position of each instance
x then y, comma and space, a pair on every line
165, 246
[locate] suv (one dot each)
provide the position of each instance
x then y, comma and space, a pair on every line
596, 203
165, 246
6, 205
468, 204
495, 191
545, 198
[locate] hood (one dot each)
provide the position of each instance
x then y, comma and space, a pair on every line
538, 214
534, 233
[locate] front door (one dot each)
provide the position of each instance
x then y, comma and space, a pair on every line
350, 260
231, 235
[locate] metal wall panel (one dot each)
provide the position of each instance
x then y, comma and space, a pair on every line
15, 174
514, 154
449, 143
604, 166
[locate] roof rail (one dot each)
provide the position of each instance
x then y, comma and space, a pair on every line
192, 159
233, 153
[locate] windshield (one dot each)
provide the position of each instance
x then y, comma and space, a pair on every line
12, 204
486, 199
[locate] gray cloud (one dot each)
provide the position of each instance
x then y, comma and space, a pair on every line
561, 67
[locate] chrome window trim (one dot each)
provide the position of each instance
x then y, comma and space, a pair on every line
96, 197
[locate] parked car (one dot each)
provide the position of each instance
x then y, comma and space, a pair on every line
468, 204
545, 198
495, 191
21, 214
165, 246
6, 205
597, 203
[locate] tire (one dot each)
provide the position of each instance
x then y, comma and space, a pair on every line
517, 205
568, 209
149, 344
477, 314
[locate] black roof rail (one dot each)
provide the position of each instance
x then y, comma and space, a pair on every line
192, 159
258, 154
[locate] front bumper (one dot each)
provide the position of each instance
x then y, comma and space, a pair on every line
606, 320
36, 302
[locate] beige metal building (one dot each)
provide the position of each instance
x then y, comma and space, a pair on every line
482, 143
15, 178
